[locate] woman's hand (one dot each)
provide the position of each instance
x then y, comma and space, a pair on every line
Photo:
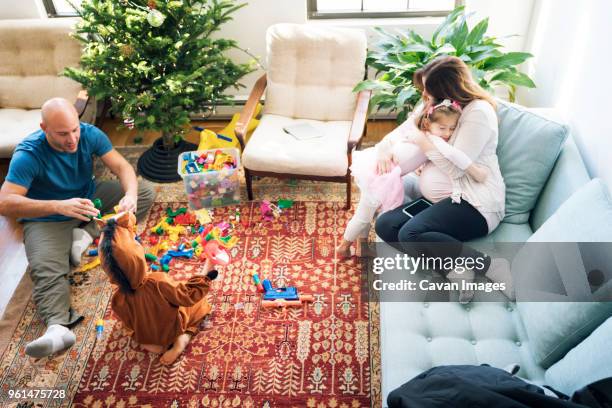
422, 140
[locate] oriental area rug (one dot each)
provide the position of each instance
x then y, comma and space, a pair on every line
324, 353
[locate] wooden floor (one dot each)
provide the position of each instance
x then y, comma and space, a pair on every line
12, 253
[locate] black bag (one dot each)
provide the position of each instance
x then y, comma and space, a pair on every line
467, 386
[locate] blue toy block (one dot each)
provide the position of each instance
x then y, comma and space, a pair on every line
155, 267
165, 259
185, 254
93, 252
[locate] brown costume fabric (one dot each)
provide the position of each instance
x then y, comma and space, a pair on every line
160, 309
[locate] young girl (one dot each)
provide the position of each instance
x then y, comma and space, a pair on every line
381, 186
161, 314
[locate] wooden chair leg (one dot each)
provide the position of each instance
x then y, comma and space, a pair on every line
249, 183
348, 192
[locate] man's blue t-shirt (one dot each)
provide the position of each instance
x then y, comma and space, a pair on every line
52, 175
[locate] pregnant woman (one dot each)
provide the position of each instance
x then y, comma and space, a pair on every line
463, 208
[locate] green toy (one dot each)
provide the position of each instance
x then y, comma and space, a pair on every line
282, 204
98, 205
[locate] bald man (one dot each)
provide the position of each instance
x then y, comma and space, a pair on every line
50, 188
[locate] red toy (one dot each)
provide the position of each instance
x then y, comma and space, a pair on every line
216, 253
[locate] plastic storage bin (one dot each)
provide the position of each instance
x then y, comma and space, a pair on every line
213, 188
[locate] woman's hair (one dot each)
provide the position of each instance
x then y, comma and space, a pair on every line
433, 113
448, 77
106, 249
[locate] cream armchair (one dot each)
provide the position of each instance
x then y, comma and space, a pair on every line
311, 73
33, 53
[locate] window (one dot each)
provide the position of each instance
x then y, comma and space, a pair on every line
379, 8
61, 8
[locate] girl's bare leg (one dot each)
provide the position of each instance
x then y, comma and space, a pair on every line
178, 347
152, 348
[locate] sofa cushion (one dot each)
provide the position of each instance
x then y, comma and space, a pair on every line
507, 232
528, 147
584, 217
313, 69
15, 125
416, 336
568, 175
34, 52
555, 327
271, 149
586, 363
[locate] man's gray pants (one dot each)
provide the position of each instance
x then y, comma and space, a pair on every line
48, 247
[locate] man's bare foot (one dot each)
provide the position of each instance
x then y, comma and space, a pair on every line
152, 348
344, 249
178, 347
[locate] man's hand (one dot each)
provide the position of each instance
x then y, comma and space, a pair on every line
79, 208
128, 203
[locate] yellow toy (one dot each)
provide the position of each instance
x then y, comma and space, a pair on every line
203, 216
227, 136
89, 265
227, 243
172, 231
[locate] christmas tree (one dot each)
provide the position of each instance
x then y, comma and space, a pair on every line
157, 60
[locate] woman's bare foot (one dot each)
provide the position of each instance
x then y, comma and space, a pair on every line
152, 348
344, 249
178, 347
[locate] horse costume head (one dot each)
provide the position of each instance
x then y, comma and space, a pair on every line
122, 257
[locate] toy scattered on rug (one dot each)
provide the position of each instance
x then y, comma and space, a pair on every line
211, 177
270, 211
156, 293
89, 265
281, 297
99, 329
227, 136
212, 241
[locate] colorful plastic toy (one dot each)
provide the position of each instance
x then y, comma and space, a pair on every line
93, 252
227, 136
269, 211
99, 329
257, 282
89, 265
217, 254
282, 297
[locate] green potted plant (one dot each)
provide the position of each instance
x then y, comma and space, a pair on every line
157, 61
398, 55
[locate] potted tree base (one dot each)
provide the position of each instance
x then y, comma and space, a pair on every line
161, 165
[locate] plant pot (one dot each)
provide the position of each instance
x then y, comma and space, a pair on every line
160, 165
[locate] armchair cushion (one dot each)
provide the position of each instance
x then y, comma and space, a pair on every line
312, 71
270, 149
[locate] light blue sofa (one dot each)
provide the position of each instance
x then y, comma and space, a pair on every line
416, 336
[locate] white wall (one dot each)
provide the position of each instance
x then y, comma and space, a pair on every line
250, 23
508, 20
21, 9
571, 42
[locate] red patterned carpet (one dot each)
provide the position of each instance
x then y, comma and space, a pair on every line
318, 355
